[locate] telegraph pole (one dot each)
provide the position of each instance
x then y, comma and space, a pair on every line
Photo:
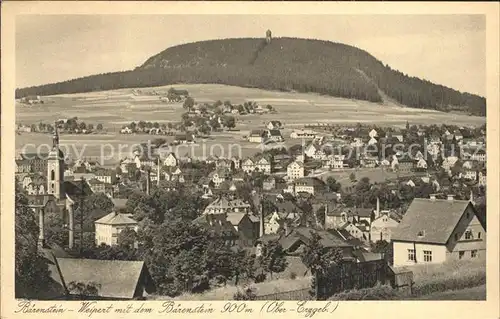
81, 216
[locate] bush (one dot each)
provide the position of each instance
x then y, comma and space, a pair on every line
293, 275
455, 282
247, 293
379, 292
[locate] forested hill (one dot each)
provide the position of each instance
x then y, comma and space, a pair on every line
286, 64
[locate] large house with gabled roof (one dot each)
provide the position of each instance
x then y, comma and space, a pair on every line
437, 230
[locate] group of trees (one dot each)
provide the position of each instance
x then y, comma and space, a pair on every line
285, 64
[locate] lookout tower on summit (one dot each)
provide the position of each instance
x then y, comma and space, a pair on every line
268, 36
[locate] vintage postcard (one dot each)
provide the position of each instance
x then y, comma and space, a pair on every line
242, 159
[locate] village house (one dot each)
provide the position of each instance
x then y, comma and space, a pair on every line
383, 225
481, 177
304, 134
372, 141
449, 162
421, 165
373, 133
224, 163
173, 174
256, 136
357, 142
108, 227
248, 165
219, 224
274, 125
269, 183
315, 151
226, 205
187, 138
96, 185
262, 164
360, 231
126, 130
105, 176
368, 161
311, 185
247, 227
219, 176
406, 165
274, 136
436, 230
236, 162
334, 161
295, 170
171, 160
479, 155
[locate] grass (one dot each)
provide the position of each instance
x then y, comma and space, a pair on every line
263, 288
474, 293
115, 108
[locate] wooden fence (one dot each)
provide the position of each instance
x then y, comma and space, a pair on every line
299, 294
352, 275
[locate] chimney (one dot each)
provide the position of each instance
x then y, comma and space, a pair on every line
148, 182
71, 227
41, 226
433, 196
471, 197
450, 197
377, 212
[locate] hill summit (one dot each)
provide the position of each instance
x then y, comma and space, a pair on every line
287, 64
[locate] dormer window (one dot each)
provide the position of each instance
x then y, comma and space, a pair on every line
421, 233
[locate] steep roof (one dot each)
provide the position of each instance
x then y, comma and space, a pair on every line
114, 218
117, 278
436, 218
275, 132
235, 218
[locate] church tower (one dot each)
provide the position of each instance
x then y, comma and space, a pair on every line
55, 168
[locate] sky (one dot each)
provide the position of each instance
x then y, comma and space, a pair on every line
445, 49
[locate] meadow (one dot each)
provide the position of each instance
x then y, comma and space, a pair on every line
113, 109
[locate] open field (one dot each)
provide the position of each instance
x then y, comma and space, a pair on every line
116, 108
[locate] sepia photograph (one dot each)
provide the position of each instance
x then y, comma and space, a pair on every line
250, 157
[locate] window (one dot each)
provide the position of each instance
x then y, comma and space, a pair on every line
479, 235
52, 175
473, 253
411, 254
461, 254
427, 256
421, 233
468, 215
468, 234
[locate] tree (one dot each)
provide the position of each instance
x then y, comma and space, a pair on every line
31, 270
127, 238
90, 127
381, 246
272, 258
188, 103
229, 121
332, 184
352, 177
83, 290
99, 127
319, 260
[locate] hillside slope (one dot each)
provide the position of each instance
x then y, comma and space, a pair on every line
286, 64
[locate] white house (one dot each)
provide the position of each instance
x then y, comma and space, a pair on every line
373, 133
170, 160
274, 125
435, 230
108, 227
372, 141
382, 226
248, 165
295, 170
256, 136
263, 165
126, 130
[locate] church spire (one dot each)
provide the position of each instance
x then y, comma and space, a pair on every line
55, 137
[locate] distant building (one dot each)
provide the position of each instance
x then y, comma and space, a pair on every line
170, 160
295, 170
256, 136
